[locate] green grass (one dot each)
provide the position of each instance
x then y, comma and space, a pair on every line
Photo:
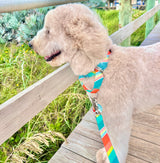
21, 67
111, 21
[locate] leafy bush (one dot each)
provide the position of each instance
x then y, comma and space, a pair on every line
95, 3
21, 26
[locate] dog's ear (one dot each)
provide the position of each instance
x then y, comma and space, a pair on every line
78, 64
78, 25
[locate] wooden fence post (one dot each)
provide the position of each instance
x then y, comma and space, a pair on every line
125, 17
150, 23
158, 11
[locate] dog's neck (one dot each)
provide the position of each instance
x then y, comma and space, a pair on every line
97, 74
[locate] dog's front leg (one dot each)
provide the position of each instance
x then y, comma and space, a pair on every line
101, 156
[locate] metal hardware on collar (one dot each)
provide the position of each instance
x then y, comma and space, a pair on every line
99, 69
95, 105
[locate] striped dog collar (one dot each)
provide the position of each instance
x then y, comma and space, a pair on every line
97, 108
98, 73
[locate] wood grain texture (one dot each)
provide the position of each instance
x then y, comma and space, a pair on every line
89, 130
147, 119
133, 159
65, 156
126, 31
17, 111
153, 37
146, 133
90, 117
82, 145
144, 150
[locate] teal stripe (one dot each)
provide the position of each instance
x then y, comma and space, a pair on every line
112, 157
98, 83
100, 122
103, 65
115, 160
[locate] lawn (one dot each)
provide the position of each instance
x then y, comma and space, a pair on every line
20, 67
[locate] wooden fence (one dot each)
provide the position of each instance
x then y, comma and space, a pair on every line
16, 5
18, 110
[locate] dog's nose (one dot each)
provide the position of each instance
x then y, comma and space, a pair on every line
30, 45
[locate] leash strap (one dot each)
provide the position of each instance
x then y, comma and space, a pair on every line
97, 108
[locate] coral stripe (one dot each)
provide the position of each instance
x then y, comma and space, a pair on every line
108, 146
95, 90
85, 88
105, 139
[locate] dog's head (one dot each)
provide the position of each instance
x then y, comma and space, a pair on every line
72, 33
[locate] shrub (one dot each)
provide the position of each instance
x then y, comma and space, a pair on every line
21, 26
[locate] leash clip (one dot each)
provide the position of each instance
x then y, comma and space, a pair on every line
99, 69
95, 105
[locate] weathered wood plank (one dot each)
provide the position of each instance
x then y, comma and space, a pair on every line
144, 150
16, 5
17, 111
82, 145
66, 156
89, 130
133, 159
153, 37
126, 31
146, 133
148, 120
90, 116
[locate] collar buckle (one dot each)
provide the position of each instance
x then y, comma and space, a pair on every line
99, 69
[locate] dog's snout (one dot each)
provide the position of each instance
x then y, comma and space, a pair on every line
30, 45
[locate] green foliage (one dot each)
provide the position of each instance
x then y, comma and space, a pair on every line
20, 67
139, 35
21, 26
109, 19
95, 3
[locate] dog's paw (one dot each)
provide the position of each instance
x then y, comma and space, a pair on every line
101, 156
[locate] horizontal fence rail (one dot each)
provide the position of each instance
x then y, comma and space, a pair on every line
18, 110
21, 108
16, 5
130, 28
